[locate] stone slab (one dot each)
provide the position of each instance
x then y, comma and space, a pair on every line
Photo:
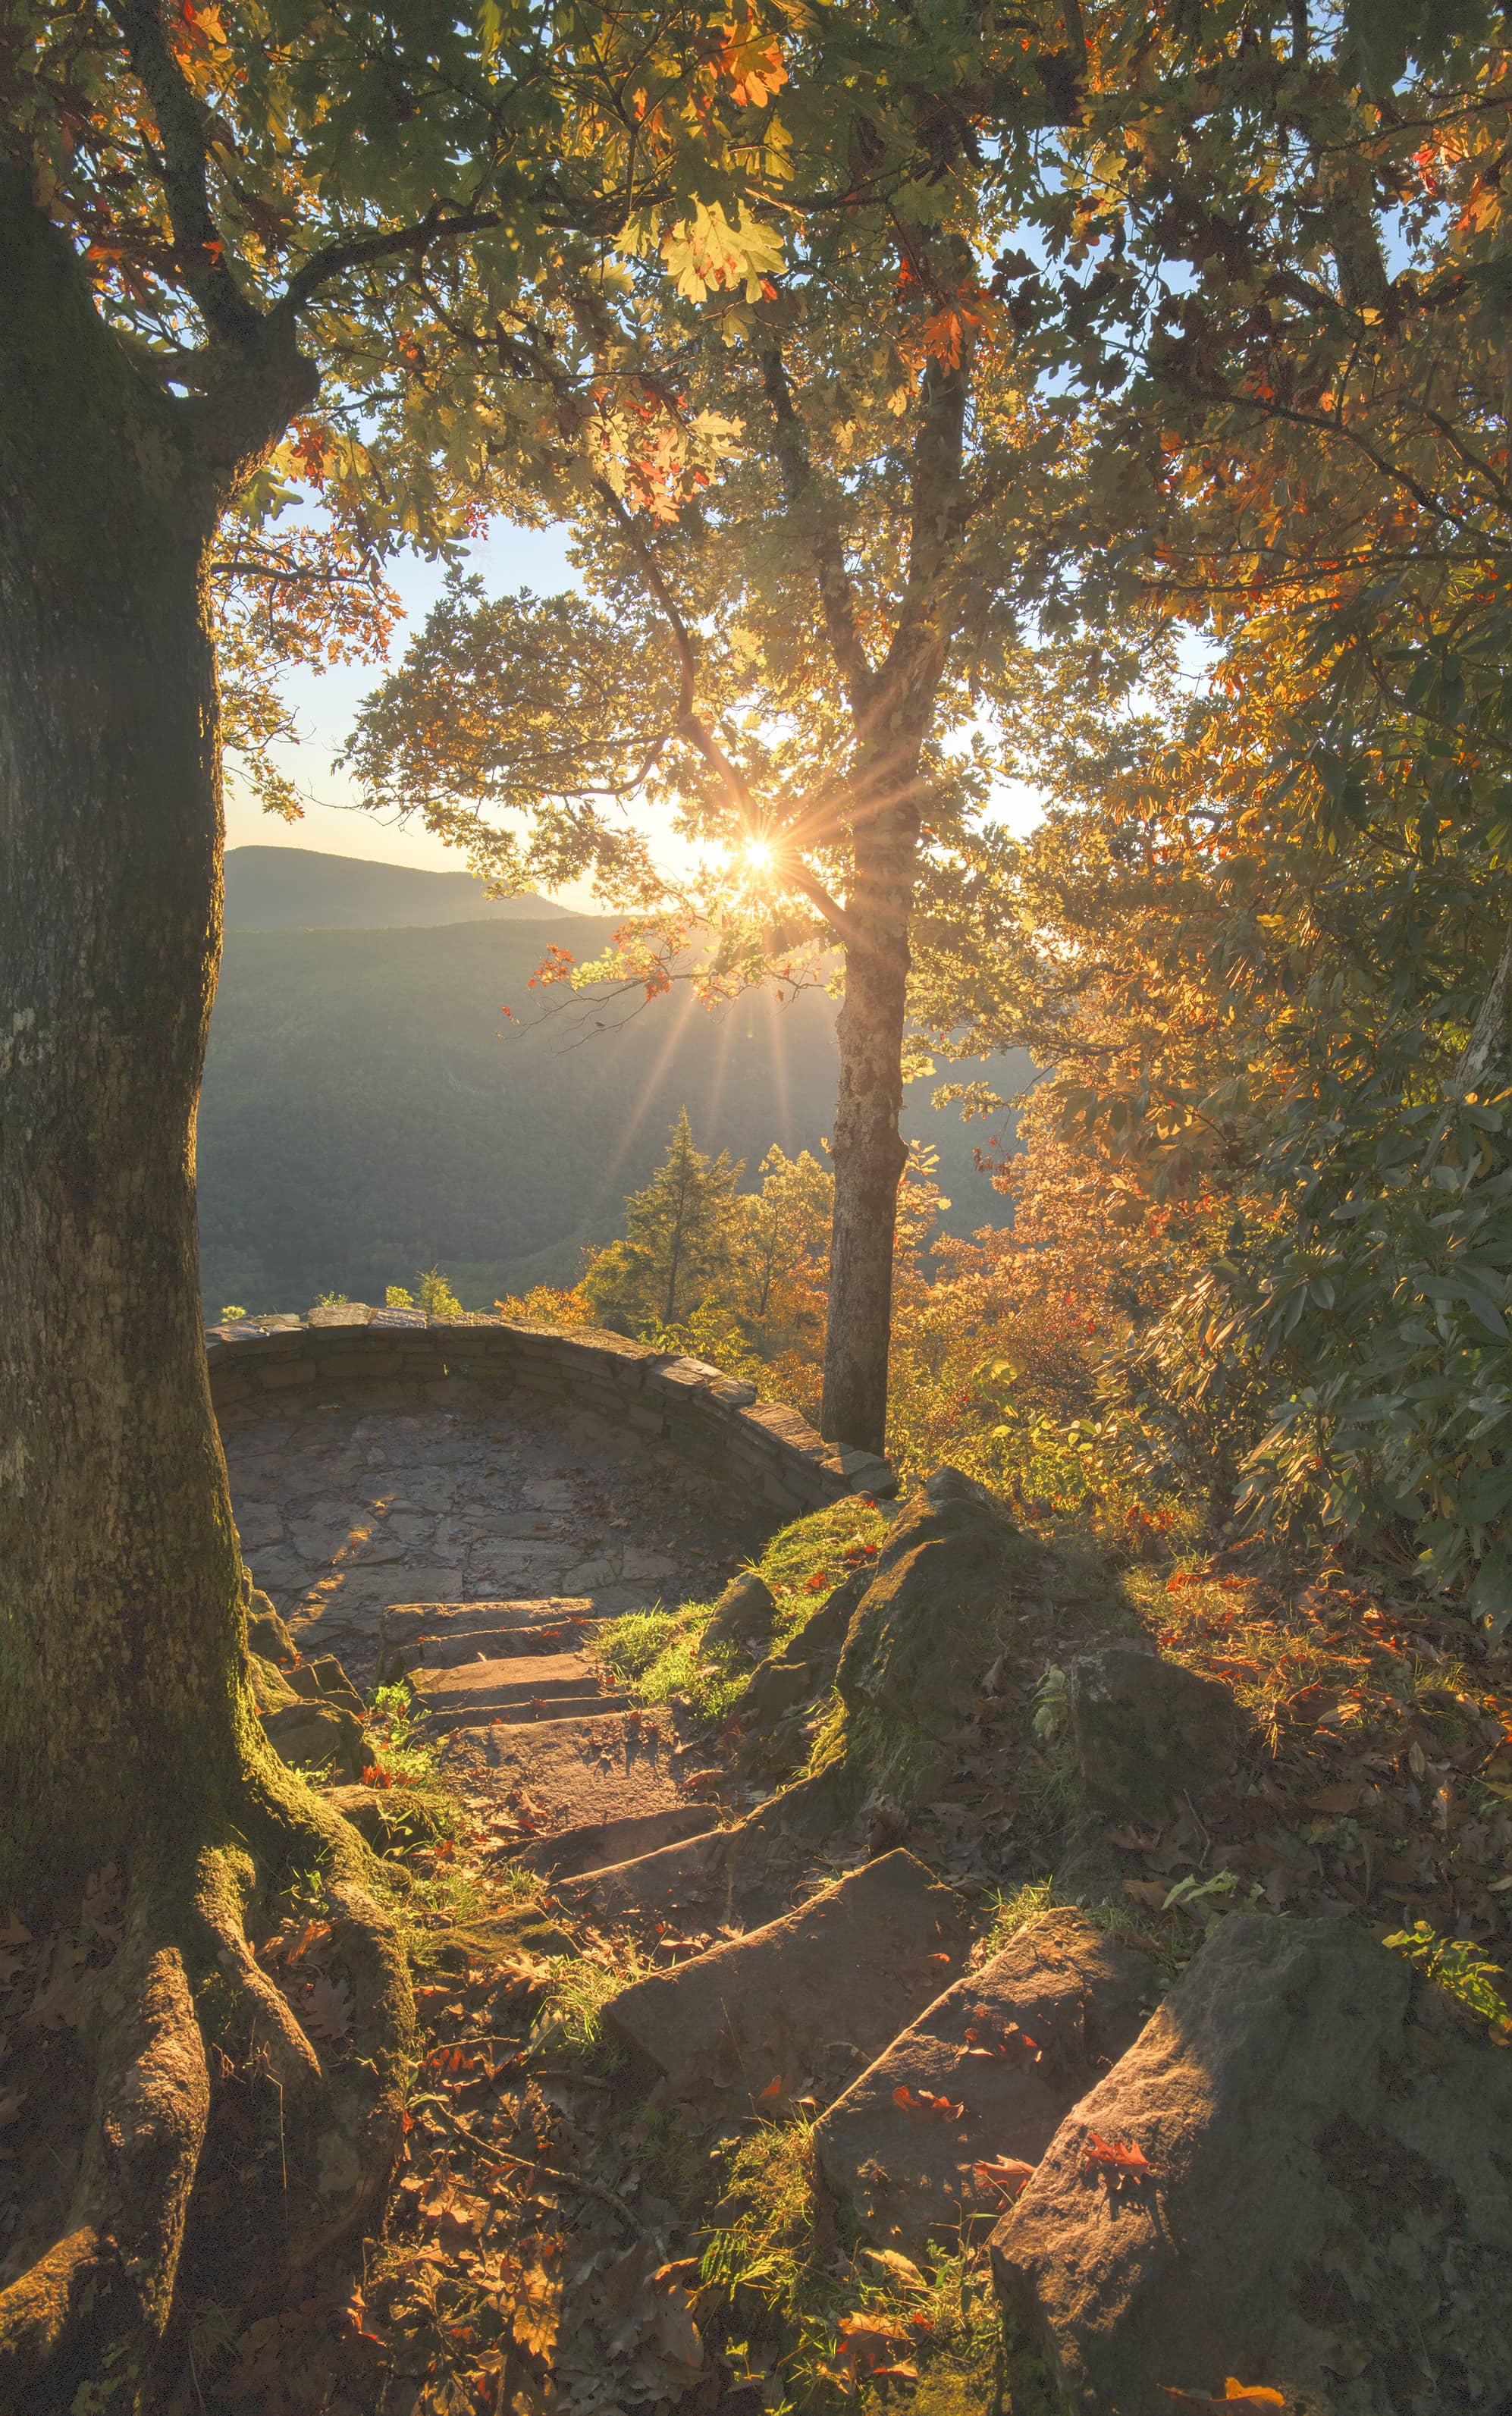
594, 1845
803, 2001
575, 1772
1061, 1984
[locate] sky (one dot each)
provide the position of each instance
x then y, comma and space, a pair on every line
325, 704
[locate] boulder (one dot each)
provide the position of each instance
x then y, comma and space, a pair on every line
804, 1665
1143, 1731
316, 1735
1321, 2207
796, 2008
743, 1614
1014, 2045
312, 1715
951, 1588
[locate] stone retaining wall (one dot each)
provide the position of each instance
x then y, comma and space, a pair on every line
709, 1417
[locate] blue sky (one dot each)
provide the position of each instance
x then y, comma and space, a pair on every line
323, 704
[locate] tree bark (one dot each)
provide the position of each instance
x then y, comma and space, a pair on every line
869, 1151
123, 1687
127, 1727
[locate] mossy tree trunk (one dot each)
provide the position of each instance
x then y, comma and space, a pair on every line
124, 1698
127, 1731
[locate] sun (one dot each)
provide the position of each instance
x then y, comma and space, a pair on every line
757, 855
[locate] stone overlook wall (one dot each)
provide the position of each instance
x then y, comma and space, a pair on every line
707, 1416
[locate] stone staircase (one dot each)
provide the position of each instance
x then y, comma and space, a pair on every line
529, 1716
796, 1977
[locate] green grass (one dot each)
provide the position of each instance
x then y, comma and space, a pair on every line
780, 2267
570, 2021
659, 1653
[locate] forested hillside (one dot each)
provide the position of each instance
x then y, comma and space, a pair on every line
302, 889
369, 1109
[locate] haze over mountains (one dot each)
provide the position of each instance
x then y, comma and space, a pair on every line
296, 889
368, 1110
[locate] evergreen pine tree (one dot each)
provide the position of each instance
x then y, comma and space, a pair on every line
679, 1233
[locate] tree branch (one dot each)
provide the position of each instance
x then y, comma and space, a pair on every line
836, 597
700, 735
183, 131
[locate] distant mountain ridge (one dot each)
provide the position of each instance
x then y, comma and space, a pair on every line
302, 889
368, 1110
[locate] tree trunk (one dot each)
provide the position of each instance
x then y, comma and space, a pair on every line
869, 1152
127, 1730
124, 1679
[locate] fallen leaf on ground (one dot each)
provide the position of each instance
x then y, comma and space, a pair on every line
987, 2034
938, 2109
538, 2306
1009, 2174
1343, 1798
901, 2268
14, 1932
327, 2011
1253, 2395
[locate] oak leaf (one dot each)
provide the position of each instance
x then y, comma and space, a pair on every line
326, 2011
1117, 2156
1009, 2174
938, 2109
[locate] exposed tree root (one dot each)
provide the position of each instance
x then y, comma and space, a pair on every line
133, 2064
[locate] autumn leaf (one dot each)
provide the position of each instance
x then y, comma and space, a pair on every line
898, 2268
773, 2088
14, 1932
938, 2109
326, 2010
1252, 2394
537, 2308
1004, 2042
1117, 2156
870, 2340
1009, 2174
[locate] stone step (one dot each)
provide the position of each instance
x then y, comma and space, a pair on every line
595, 1845
737, 1877
481, 1689
1014, 2046
431, 1632
483, 1643
796, 2010
571, 1772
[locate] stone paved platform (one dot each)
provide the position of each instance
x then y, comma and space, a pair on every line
350, 1504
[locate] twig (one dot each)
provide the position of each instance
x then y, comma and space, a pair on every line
579, 2181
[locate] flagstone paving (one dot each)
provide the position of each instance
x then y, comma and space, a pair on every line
350, 1505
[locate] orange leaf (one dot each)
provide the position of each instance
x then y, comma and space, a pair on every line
1250, 2394
1009, 2174
1116, 2156
938, 2109
773, 2088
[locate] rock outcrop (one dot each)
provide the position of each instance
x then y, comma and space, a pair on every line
1319, 2204
1144, 1731
948, 1594
989, 2071
744, 1614
793, 2009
